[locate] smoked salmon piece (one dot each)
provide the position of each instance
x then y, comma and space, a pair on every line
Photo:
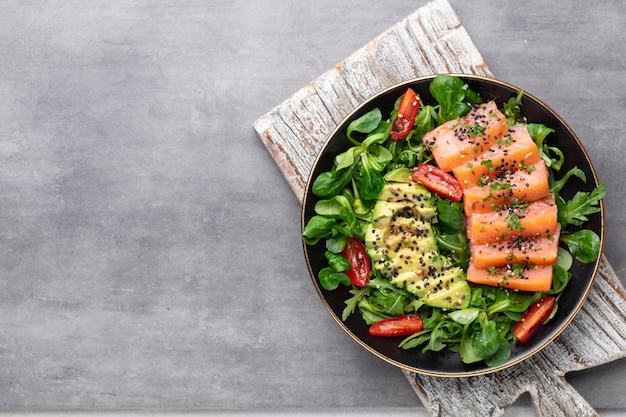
541, 250
515, 277
515, 150
522, 185
535, 219
457, 141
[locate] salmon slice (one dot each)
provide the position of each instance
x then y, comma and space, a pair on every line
523, 185
537, 219
522, 278
515, 150
538, 251
457, 141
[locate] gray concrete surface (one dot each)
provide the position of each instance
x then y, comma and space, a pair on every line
149, 247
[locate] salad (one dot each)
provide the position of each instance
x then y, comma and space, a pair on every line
446, 223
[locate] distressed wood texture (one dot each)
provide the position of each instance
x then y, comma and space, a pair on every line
596, 336
429, 41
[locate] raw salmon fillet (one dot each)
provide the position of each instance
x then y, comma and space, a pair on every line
515, 150
457, 141
536, 219
518, 186
526, 278
540, 250
511, 217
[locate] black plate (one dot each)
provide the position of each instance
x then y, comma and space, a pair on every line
446, 363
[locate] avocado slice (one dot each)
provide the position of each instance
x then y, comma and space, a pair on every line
456, 296
384, 213
413, 192
421, 263
399, 175
432, 284
402, 246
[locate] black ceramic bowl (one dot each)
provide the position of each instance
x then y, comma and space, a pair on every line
446, 363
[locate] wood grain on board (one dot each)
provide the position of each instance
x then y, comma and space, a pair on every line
430, 41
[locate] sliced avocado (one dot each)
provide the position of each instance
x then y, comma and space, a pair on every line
399, 175
455, 296
413, 192
385, 211
417, 281
407, 261
374, 243
401, 244
410, 226
410, 245
412, 281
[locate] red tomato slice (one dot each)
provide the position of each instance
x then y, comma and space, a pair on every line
397, 326
407, 112
533, 318
356, 254
438, 181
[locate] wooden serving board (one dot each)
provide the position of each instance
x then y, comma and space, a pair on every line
430, 41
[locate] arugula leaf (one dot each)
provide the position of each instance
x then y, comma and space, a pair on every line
370, 317
539, 133
583, 245
352, 302
431, 320
444, 332
415, 340
557, 186
583, 204
388, 302
382, 284
371, 313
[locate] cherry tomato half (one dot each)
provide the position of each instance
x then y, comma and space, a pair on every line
533, 318
407, 112
397, 326
356, 255
438, 181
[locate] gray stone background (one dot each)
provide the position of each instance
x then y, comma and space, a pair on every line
150, 254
